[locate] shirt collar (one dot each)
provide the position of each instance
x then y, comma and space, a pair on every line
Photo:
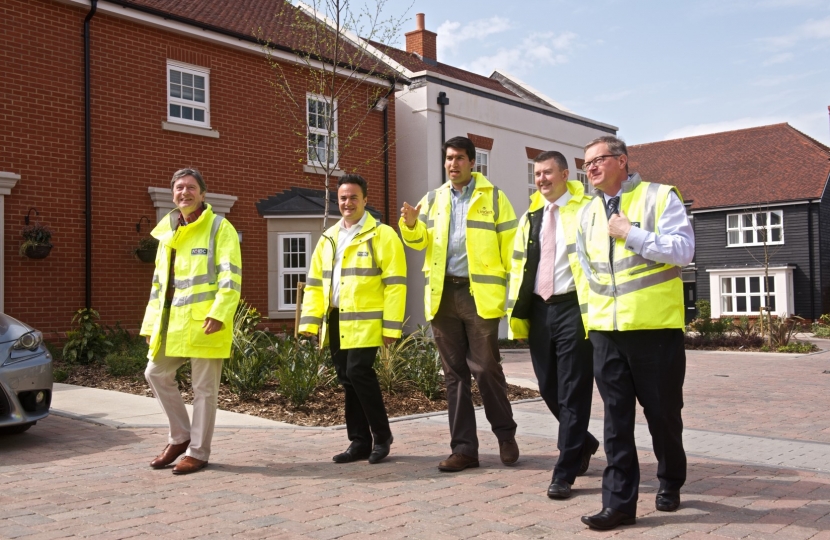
359, 224
192, 217
471, 185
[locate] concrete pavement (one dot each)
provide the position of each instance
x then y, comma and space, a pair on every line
757, 434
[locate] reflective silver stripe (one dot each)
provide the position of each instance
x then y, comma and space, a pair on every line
511, 303
486, 225
423, 218
427, 281
360, 272
188, 299
491, 280
623, 264
583, 308
313, 282
211, 257
496, 205
189, 282
418, 241
361, 316
371, 253
632, 183
650, 207
507, 225
394, 280
634, 285
392, 325
430, 223
430, 199
653, 266
156, 279
311, 320
571, 248
518, 255
326, 274
229, 267
230, 284
154, 294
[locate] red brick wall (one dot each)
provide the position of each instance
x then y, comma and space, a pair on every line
42, 139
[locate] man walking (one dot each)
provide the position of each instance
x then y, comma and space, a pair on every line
547, 293
467, 227
356, 289
632, 242
195, 291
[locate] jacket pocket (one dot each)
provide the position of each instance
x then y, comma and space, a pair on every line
198, 338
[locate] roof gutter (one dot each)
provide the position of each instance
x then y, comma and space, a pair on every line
88, 154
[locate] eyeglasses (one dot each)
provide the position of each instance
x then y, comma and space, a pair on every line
597, 160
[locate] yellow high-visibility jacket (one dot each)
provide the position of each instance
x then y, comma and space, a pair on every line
208, 275
491, 226
630, 292
372, 286
523, 278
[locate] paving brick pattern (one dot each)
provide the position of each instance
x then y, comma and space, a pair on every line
69, 478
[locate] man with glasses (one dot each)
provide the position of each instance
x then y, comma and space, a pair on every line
632, 242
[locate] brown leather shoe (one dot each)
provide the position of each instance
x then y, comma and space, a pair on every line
169, 455
189, 465
509, 452
458, 462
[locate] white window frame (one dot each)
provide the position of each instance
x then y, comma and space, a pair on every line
316, 131
283, 270
757, 231
483, 168
582, 176
781, 277
531, 177
197, 71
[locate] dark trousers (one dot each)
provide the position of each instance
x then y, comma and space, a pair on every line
469, 345
563, 361
365, 412
649, 366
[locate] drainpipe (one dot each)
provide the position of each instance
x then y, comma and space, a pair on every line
88, 154
386, 153
810, 251
443, 101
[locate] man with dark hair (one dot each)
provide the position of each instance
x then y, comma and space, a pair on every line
547, 294
467, 227
632, 242
193, 299
356, 291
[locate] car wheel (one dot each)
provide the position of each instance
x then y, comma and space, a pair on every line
16, 430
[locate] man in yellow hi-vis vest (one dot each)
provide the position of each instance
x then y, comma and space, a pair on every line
356, 291
467, 227
195, 291
633, 240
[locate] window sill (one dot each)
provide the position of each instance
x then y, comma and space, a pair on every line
313, 169
191, 130
281, 315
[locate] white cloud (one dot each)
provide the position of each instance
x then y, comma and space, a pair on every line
717, 127
613, 96
778, 59
452, 33
812, 29
539, 49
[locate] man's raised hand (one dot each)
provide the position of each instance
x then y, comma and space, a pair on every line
410, 214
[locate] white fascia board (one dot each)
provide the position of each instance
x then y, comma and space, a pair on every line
744, 269
357, 41
187, 30
310, 216
427, 73
763, 207
531, 90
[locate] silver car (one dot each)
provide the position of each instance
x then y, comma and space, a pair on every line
25, 376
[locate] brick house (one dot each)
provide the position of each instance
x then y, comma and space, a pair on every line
747, 191
174, 83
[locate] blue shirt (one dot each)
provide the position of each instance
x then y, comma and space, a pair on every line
457, 245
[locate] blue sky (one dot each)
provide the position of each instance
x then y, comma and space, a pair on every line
656, 69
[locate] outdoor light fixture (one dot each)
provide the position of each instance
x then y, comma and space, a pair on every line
138, 225
26, 219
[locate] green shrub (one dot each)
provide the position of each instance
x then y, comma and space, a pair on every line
391, 364
302, 367
120, 364
59, 375
820, 330
781, 329
797, 347
704, 309
252, 360
87, 342
424, 364
745, 328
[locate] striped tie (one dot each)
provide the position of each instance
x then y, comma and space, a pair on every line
547, 261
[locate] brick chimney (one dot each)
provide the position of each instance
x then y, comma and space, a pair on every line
421, 41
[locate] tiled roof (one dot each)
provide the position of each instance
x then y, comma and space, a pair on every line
413, 62
282, 24
762, 165
303, 202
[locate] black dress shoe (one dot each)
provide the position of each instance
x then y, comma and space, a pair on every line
559, 489
588, 449
354, 452
667, 501
608, 519
380, 450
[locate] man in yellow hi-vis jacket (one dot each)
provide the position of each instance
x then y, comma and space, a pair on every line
467, 227
195, 291
356, 292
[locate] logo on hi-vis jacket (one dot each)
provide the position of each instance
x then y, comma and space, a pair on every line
362, 253
198, 251
485, 212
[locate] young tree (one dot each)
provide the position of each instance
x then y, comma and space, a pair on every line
344, 76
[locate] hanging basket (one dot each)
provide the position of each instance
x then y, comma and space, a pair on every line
146, 255
39, 251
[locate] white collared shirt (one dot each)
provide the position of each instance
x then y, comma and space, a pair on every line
563, 278
344, 238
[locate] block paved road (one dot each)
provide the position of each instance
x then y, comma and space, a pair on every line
758, 437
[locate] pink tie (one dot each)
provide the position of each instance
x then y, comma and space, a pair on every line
547, 261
